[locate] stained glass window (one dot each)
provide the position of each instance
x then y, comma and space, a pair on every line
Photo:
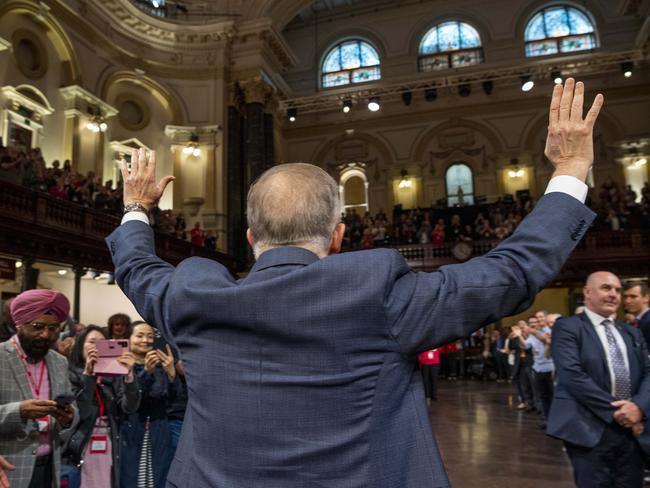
460, 185
450, 45
350, 62
559, 29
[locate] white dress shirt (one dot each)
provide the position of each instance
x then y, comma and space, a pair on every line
563, 184
597, 321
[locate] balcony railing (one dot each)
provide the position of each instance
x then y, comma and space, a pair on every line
36, 225
624, 252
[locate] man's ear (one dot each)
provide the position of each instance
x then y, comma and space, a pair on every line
337, 239
249, 238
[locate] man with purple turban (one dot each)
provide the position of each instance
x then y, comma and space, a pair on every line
32, 376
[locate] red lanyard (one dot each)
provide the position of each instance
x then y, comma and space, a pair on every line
100, 400
36, 387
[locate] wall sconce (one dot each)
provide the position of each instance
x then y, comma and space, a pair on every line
405, 181
516, 172
192, 146
97, 123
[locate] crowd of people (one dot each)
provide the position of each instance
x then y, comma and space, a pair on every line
127, 423
520, 354
27, 167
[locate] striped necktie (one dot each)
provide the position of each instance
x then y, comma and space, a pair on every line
622, 386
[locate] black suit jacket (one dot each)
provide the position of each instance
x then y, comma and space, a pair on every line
644, 327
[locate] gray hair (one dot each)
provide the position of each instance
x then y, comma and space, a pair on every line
293, 204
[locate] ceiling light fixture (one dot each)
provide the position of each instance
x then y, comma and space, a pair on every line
347, 105
292, 113
527, 83
373, 104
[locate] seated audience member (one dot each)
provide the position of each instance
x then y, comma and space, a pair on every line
102, 402
119, 326
438, 234
146, 438
32, 375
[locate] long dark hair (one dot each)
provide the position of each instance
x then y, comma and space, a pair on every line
77, 360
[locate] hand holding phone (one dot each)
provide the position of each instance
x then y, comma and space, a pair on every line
108, 353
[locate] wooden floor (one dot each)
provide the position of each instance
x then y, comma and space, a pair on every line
486, 442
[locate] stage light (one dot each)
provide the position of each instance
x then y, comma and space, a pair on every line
373, 104
465, 90
430, 94
556, 76
347, 105
407, 96
527, 83
627, 68
292, 113
487, 87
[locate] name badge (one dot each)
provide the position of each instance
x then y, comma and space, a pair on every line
43, 424
98, 444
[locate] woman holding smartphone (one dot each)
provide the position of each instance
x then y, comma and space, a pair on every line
94, 446
146, 438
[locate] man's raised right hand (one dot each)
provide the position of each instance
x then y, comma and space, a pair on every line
570, 139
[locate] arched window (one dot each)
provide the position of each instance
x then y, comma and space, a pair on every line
459, 182
559, 29
353, 190
450, 45
350, 62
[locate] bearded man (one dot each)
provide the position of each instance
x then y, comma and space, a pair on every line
32, 376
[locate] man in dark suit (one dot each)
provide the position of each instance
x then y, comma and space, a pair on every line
603, 390
303, 373
636, 298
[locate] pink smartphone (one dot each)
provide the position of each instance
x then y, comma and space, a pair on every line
108, 350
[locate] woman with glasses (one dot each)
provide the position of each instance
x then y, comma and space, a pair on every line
94, 447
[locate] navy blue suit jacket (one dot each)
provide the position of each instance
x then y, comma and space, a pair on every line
581, 405
303, 373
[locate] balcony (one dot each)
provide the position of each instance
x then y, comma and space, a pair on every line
37, 226
626, 253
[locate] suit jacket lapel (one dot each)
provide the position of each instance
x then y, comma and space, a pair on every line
18, 370
53, 376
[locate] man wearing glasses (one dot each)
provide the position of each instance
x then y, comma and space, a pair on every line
32, 376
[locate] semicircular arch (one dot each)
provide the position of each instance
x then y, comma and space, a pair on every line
425, 139
381, 148
162, 94
55, 33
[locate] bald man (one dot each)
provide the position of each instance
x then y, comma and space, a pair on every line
602, 396
303, 374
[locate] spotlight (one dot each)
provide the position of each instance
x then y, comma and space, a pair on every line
464, 90
556, 76
527, 83
407, 96
292, 113
347, 105
373, 104
487, 86
430, 94
627, 68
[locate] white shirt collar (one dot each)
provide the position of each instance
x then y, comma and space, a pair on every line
595, 318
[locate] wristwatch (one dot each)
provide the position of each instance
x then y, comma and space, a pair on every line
135, 207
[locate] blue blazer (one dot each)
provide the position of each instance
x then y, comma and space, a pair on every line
303, 373
581, 405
